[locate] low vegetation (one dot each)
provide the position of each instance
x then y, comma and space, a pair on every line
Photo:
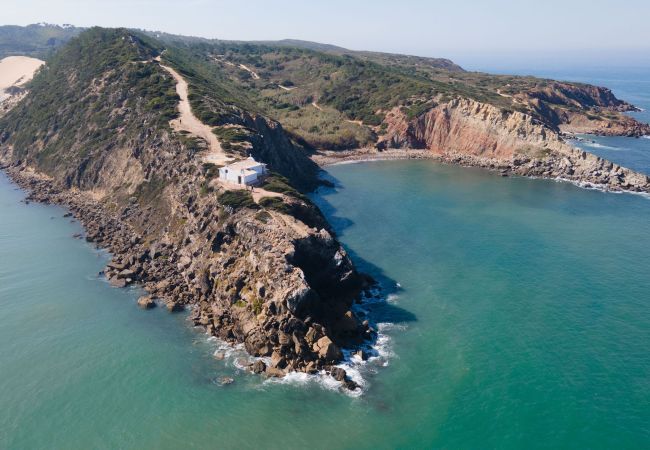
237, 199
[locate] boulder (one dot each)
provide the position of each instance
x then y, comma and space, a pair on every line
311, 368
277, 360
258, 366
361, 354
126, 273
274, 372
338, 374
146, 302
117, 282
328, 349
173, 306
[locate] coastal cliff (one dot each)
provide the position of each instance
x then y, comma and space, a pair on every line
93, 134
468, 132
94, 130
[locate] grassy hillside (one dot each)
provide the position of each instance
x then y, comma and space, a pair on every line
324, 96
90, 90
332, 98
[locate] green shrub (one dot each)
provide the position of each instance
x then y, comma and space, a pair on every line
237, 199
278, 183
263, 216
276, 204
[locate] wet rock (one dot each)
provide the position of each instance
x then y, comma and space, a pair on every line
219, 355
274, 372
277, 360
327, 349
226, 381
361, 354
117, 282
338, 374
146, 302
258, 366
173, 306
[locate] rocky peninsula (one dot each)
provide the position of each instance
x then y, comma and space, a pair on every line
98, 130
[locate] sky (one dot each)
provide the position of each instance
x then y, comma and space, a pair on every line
472, 32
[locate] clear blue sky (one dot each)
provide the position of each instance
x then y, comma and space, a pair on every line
467, 31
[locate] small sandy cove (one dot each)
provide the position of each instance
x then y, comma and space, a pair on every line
17, 70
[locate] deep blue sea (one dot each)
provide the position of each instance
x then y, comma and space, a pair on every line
517, 315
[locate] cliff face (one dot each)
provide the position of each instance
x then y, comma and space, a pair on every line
469, 132
468, 127
96, 137
578, 108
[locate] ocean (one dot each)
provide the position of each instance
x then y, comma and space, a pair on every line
516, 314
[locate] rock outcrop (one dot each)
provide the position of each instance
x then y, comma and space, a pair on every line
281, 285
468, 132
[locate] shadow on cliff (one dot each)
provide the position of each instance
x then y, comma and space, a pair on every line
378, 303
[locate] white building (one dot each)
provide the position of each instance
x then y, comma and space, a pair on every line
247, 172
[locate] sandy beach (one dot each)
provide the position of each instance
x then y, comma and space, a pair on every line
329, 158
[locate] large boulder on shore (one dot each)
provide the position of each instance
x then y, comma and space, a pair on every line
327, 349
146, 302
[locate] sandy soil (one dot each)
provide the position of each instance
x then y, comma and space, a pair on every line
190, 123
17, 70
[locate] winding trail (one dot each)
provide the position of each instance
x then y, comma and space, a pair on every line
251, 71
190, 123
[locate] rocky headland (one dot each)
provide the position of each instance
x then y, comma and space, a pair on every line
471, 133
97, 131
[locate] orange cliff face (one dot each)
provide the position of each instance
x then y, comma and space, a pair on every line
468, 132
469, 127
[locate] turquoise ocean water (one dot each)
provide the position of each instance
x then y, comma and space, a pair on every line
518, 316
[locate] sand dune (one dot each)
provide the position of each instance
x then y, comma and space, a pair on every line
17, 70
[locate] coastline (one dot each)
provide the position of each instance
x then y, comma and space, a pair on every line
579, 167
331, 158
161, 270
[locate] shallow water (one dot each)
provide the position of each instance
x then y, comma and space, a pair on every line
522, 320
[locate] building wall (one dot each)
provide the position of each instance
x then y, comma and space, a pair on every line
232, 176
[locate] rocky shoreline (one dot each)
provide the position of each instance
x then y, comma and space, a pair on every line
579, 167
292, 329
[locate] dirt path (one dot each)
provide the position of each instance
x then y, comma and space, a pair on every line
286, 88
316, 105
190, 123
252, 72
